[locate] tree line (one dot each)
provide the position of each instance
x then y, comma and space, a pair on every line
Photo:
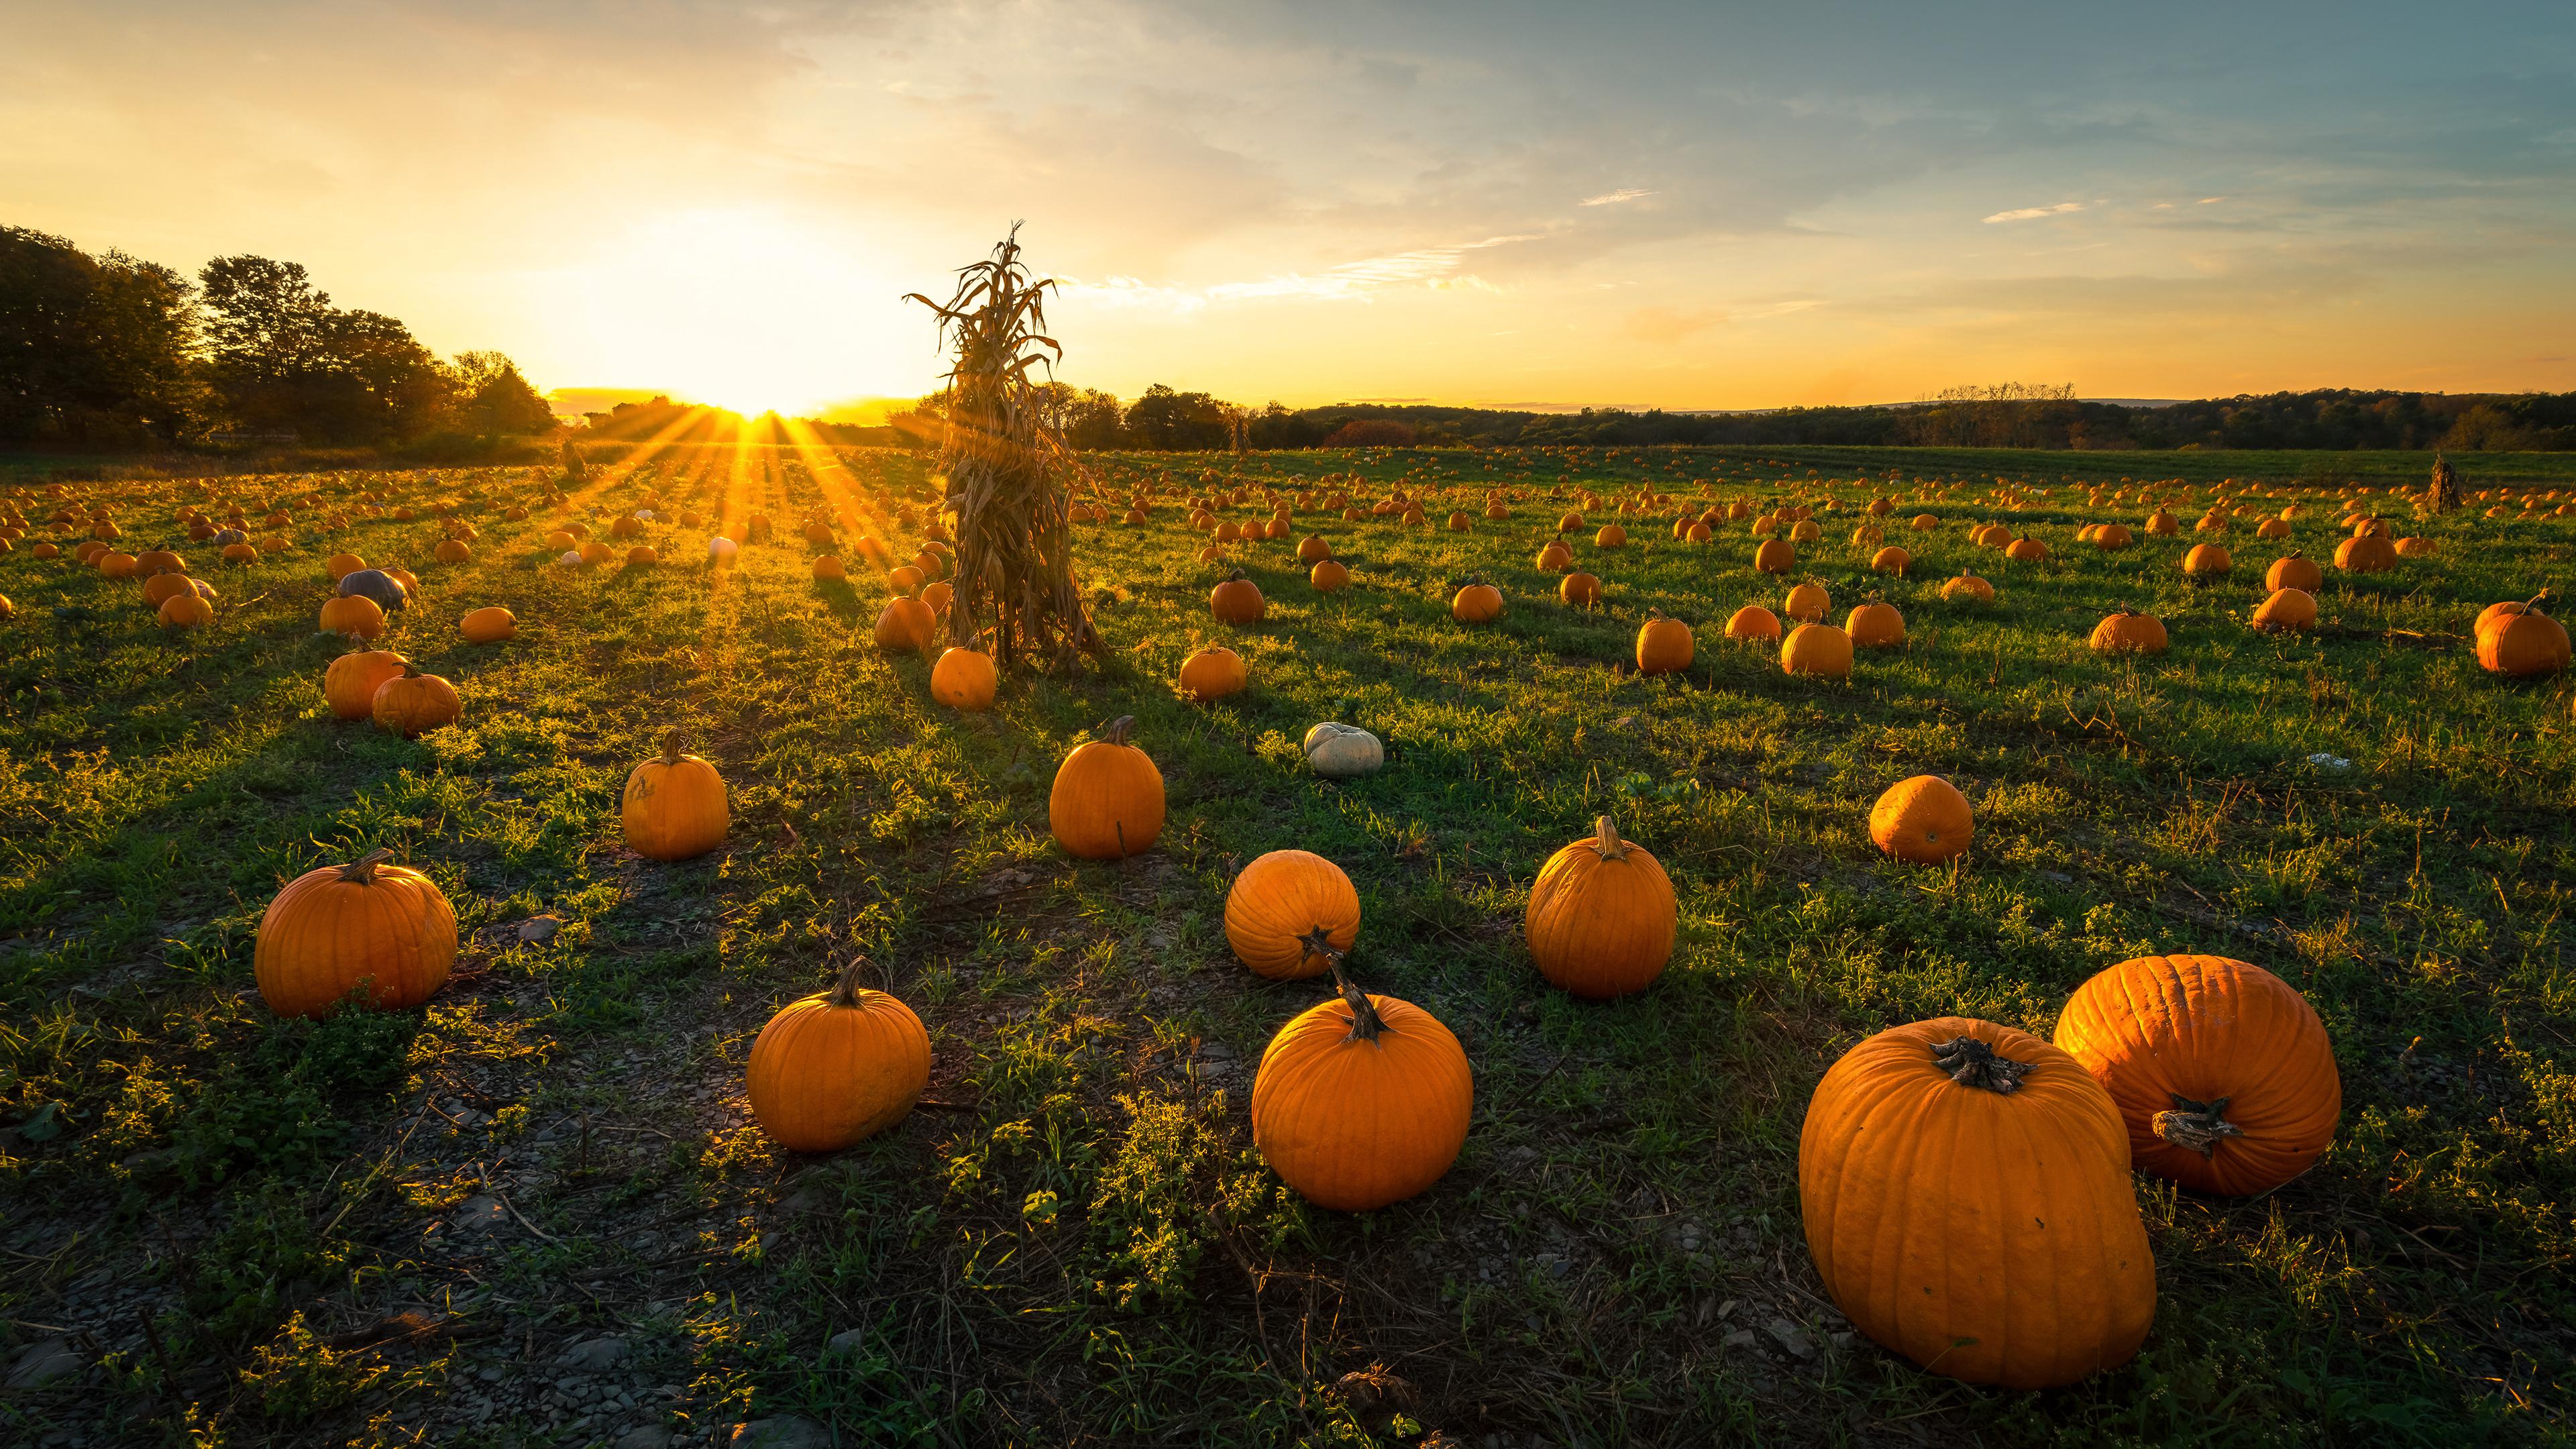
111, 351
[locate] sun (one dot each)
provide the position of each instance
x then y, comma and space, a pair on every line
741, 308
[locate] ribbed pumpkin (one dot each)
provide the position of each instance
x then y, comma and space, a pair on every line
837, 1067
1343, 752
2367, 553
1477, 604
1819, 649
1875, 625
2221, 1070
1891, 560
411, 704
1968, 586
1214, 674
356, 616
2207, 561
2126, 631
1966, 1196
1362, 1101
1922, 819
349, 686
1579, 588
964, 678
674, 807
1237, 600
1753, 624
1663, 645
2294, 571
1601, 916
2519, 640
2285, 611
1107, 803
488, 625
1806, 603
1775, 556
1291, 914
332, 932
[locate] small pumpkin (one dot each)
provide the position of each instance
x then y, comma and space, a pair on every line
1968, 586
488, 625
674, 807
2295, 571
2207, 561
1875, 625
1214, 674
1890, 560
1107, 801
1361, 1101
1328, 575
2221, 1070
1476, 603
1342, 752
1923, 819
411, 704
964, 678
1291, 914
2286, 611
1579, 589
1806, 603
1602, 916
1753, 624
381, 934
185, 611
836, 1068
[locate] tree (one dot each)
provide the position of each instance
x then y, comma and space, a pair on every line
1168, 421
494, 399
93, 351
1093, 421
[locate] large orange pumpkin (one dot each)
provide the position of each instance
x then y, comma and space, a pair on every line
964, 678
1291, 914
905, 626
1477, 604
1237, 600
1966, 1196
1107, 803
837, 1067
1362, 1101
349, 686
1923, 819
2519, 640
355, 615
2294, 571
674, 807
1663, 645
1753, 624
382, 934
1819, 649
2126, 631
1602, 916
488, 625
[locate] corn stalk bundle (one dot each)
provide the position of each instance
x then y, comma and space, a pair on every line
2444, 494
1006, 470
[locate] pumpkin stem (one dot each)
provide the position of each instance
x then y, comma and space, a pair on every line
1120, 728
2195, 1125
1366, 1024
1320, 942
845, 988
1605, 839
362, 871
671, 749
1972, 1063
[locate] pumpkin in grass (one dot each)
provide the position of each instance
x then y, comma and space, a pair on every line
1891, 560
340, 565
2207, 561
2367, 553
2126, 631
1328, 575
1361, 1101
1806, 603
2294, 571
453, 551
937, 595
1214, 674
1664, 645
2520, 640
1875, 625
1342, 752
411, 704
2286, 611
2221, 1071
377, 584
1610, 536
1236, 600
2026, 549
830, 570
349, 686
964, 678
366, 933
488, 625
1966, 1197
185, 611
354, 615
1818, 649
1476, 603
905, 626
1753, 624
165, 586
674, 806
1923, 819
1579, 589
836, 1068
1291, 914
1968, 586
1602, 916
1313, 550
642, 556
1555, 557
1775, 556
1107, 802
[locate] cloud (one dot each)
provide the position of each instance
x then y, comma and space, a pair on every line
1357, 281
2032, 213
1613, 198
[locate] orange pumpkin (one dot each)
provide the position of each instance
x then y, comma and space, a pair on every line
1601, 916
1477, 603
1362, 1101
1214, 674
674, 807
2286, 611
381, 936
1579, 589
1664, 645
1923, 819
964, 678
905, 626
1875, 625
2294, 571
2520, 640
1818, 649
836, 1068
1753, 624
1291, 914
1236, 600
488, 625
2126, 631
411, 704
1107, 802
355, 615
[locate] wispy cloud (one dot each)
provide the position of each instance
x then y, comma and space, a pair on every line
1613, 198
1349, 282
2033, 213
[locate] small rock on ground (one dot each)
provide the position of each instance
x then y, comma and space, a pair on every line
44, 1361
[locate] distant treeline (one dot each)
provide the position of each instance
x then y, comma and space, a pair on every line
2010, 415
110, 351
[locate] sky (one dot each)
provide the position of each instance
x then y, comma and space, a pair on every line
1554, 205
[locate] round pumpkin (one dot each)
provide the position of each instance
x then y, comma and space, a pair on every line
2367, 553
1236, 600
964, 679
349, 686
2222, 1073
674, 807
1107, 802
2207, 561
1968, 586
1819, 649
1806, 603
1875, 625
1214, 674
1579, 589
1477, 604
1922, 819
2294, 571
354, 615
1291, 914
366, 933
1663, 645
905, 626
1362, 1101
834, 1069
1753, 624
1601, 916
1966, 1197
1775, 556
488, 625
2126, 631
411, 704
1328, 575
2522, 642
1342, 752
2286, 611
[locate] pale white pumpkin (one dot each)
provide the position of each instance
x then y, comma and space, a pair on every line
1341, 752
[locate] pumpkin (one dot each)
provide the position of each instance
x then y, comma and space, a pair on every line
2126, 631
165, 586
1806, 603
1890, 560
377, 584
355, 615
2294, 571
2207, 561
1342, 752
1313, 550
2521, 641
721, 551
453, 550
1775, 556
1579, 589
1663, 645
674, 807
1968, 586
1214, 674
1107, 803
349, 686
381, 935
1477, 604
2026, 550
1236, 600
2416, 547
2286, 611
1966, 1197
1753, 624
1555, 557
1361, 1101
964, 678
339, 565
1819, 649
411, 704
829, 570
905, 626
1875, 625
2221, 1071
1291, 914
1328, 575
837, 1067
1923, 819
488, 625
1601, 916
1610, 536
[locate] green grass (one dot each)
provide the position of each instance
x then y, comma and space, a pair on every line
1073, 1242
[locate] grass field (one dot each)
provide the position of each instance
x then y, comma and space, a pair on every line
535, 1212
